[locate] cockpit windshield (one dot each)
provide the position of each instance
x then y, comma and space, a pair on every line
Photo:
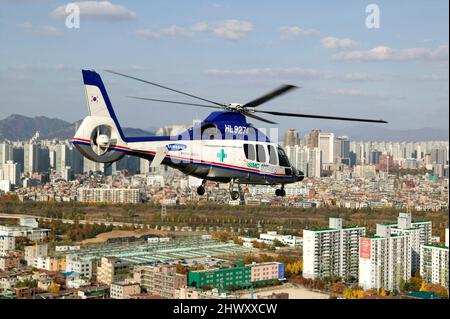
282, 158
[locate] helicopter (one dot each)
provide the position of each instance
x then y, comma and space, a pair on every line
222, 148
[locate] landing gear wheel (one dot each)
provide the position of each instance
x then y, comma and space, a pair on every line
234, 195
278, 192
200, 190
283, 192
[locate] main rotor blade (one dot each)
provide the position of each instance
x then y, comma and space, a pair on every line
257, 117
321, 117
174, 102
164, 87
277, 92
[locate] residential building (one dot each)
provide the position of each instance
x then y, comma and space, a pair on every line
162, 280
384, 260
33, 253
331, 251
112, 270
434, 264
7, 244
10, 260
11, 172
123, 290
419, 233
108, 195
83, 266
266, 271
326, 147
31, 158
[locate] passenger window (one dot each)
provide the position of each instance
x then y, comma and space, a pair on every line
249, 150
272, 155
283, 159
260, 153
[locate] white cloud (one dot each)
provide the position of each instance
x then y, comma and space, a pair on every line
45, 30
384, 53
291, 72
169, 32
228, 29
295, 31
97, 9
335, 43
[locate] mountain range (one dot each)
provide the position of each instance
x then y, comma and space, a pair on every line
20, 127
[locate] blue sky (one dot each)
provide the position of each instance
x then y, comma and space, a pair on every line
230, 51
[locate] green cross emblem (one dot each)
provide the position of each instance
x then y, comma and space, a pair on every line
222, 155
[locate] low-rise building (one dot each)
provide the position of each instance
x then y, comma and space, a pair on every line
289, 240
112, 270
266, 271
162, 280
124, 289
80, 265
10, 260
34, 254
32, 233
109, 195
7, 244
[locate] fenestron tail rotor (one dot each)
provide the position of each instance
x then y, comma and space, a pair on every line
247, 109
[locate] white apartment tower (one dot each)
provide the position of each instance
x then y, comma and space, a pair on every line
30, 158
331, 251
6, 152
326, 146
434, 264
419, 233
384, 260
11, 172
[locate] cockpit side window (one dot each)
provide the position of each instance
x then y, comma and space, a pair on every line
249, 150
283, 159
272, 155
260, 153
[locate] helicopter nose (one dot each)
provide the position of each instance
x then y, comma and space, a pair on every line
299, 174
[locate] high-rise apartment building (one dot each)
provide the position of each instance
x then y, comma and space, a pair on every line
434, 264
10, 171
326, 147
384, 260
291, 138
6, 152
419, 233
30, 158
331, 251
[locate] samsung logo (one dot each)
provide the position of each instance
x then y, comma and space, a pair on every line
176, 147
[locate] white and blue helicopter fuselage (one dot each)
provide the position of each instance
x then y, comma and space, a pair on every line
222, 148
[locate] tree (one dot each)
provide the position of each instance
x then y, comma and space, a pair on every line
54, 287
383, 292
